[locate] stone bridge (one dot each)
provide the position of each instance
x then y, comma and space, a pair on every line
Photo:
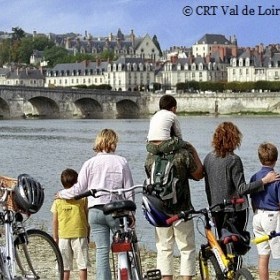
24, 102
27, 102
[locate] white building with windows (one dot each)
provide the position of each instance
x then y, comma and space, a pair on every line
256, 64
130, 74
124, 74
72, 74
191, 69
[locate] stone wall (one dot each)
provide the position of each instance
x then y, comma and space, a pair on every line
222, 103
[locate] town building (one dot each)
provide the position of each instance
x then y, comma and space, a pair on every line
255, 64
130, 74
125, 74
72, 74
211, 44
198, 69
22, 77
120, 44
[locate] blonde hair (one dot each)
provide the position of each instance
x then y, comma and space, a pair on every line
106, 141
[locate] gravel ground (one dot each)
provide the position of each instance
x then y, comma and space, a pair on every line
149, 262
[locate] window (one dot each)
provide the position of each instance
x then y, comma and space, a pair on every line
240, 62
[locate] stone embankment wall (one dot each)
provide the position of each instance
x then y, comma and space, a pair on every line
222, 103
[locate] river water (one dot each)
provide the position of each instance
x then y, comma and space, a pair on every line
43, 148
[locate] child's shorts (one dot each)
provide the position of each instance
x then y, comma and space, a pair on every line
74, 248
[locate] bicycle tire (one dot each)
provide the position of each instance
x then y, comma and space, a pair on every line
44, 255
135, 263
209, 267
243, 273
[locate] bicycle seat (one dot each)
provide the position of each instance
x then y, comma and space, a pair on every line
119, 206
228, 236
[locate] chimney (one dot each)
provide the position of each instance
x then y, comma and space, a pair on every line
132, 37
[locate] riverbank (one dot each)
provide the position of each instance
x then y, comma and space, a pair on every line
149, 262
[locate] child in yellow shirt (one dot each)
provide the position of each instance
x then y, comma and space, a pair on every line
70, 228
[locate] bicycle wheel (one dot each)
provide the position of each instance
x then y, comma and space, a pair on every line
135, 263
209, 267
44, 256
243, 273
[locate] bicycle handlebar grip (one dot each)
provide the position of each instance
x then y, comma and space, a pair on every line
173, 219
85, 194
237, 200
260, 239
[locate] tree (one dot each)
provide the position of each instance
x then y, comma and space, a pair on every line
18, 33
5, 51
55, 55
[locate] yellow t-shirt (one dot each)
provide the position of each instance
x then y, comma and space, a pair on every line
72, 217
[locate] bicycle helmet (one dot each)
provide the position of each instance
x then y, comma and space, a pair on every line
154, 212
28, 194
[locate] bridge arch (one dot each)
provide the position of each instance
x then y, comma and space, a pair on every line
41, 107
87, 108
127, 109
4, 109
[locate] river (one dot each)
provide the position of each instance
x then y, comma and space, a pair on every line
43, 148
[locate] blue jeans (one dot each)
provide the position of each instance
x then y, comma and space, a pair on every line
101, 226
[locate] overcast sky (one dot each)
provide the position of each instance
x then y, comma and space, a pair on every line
170, 20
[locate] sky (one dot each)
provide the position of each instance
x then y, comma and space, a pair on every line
174, 22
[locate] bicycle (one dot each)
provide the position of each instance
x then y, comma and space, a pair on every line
24, 253
216, 257
124, 242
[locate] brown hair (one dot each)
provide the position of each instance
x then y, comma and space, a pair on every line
268, 154
68, 178
227, 137
106, 141
167, 102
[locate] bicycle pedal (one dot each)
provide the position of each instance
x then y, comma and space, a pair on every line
153, 274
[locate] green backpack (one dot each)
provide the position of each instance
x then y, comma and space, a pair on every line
163, 182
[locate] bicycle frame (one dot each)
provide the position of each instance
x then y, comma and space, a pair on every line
124, 242
12, 225
224, 260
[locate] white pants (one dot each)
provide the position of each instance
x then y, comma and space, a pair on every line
183, 234
263, 223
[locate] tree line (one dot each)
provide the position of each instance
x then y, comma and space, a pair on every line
20, 47
193, 86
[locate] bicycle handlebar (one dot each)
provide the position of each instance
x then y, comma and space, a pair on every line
94, 192
263, 238
185, 214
